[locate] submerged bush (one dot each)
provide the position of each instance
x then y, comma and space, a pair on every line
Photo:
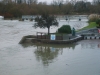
65, 29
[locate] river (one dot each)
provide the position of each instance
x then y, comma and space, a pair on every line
81, 58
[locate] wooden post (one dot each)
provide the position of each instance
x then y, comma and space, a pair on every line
62, 37
37, 35
45, 36
90, 37
86, 38
69, 38
41, 35
95, 38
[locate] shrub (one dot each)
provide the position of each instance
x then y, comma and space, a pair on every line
93, 17
65, 29
98, 22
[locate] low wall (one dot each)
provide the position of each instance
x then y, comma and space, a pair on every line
60, 41
24, 38
34, 39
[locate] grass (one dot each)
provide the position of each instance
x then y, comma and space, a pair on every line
91, 25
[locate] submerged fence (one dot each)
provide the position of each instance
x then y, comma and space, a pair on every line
43, 35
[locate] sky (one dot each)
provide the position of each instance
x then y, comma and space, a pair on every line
49, 1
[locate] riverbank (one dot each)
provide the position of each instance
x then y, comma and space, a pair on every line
91, 25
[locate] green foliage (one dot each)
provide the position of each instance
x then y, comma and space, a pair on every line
45, 21
80, 6
98, 22
65, 29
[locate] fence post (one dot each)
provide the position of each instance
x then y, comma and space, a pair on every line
37, 35
41, 35
62, 36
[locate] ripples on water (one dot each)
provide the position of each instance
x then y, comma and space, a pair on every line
81, 58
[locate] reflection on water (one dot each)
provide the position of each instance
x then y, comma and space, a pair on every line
49, 59
98, 45
81, 58
93, 44
47, 52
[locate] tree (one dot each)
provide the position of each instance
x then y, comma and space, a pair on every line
15, 12
96, 2
19, 1
68, 7
45, 21
57, 2
80, 6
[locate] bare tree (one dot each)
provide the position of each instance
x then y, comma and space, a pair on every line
95, 2
32, 1
7, 1
57, 2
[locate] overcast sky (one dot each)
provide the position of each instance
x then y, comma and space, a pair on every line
49, 1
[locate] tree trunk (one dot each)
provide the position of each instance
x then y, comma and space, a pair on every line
48, 30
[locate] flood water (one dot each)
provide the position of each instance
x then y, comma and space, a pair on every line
81, 58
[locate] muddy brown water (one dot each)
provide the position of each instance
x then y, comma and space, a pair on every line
81, 58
